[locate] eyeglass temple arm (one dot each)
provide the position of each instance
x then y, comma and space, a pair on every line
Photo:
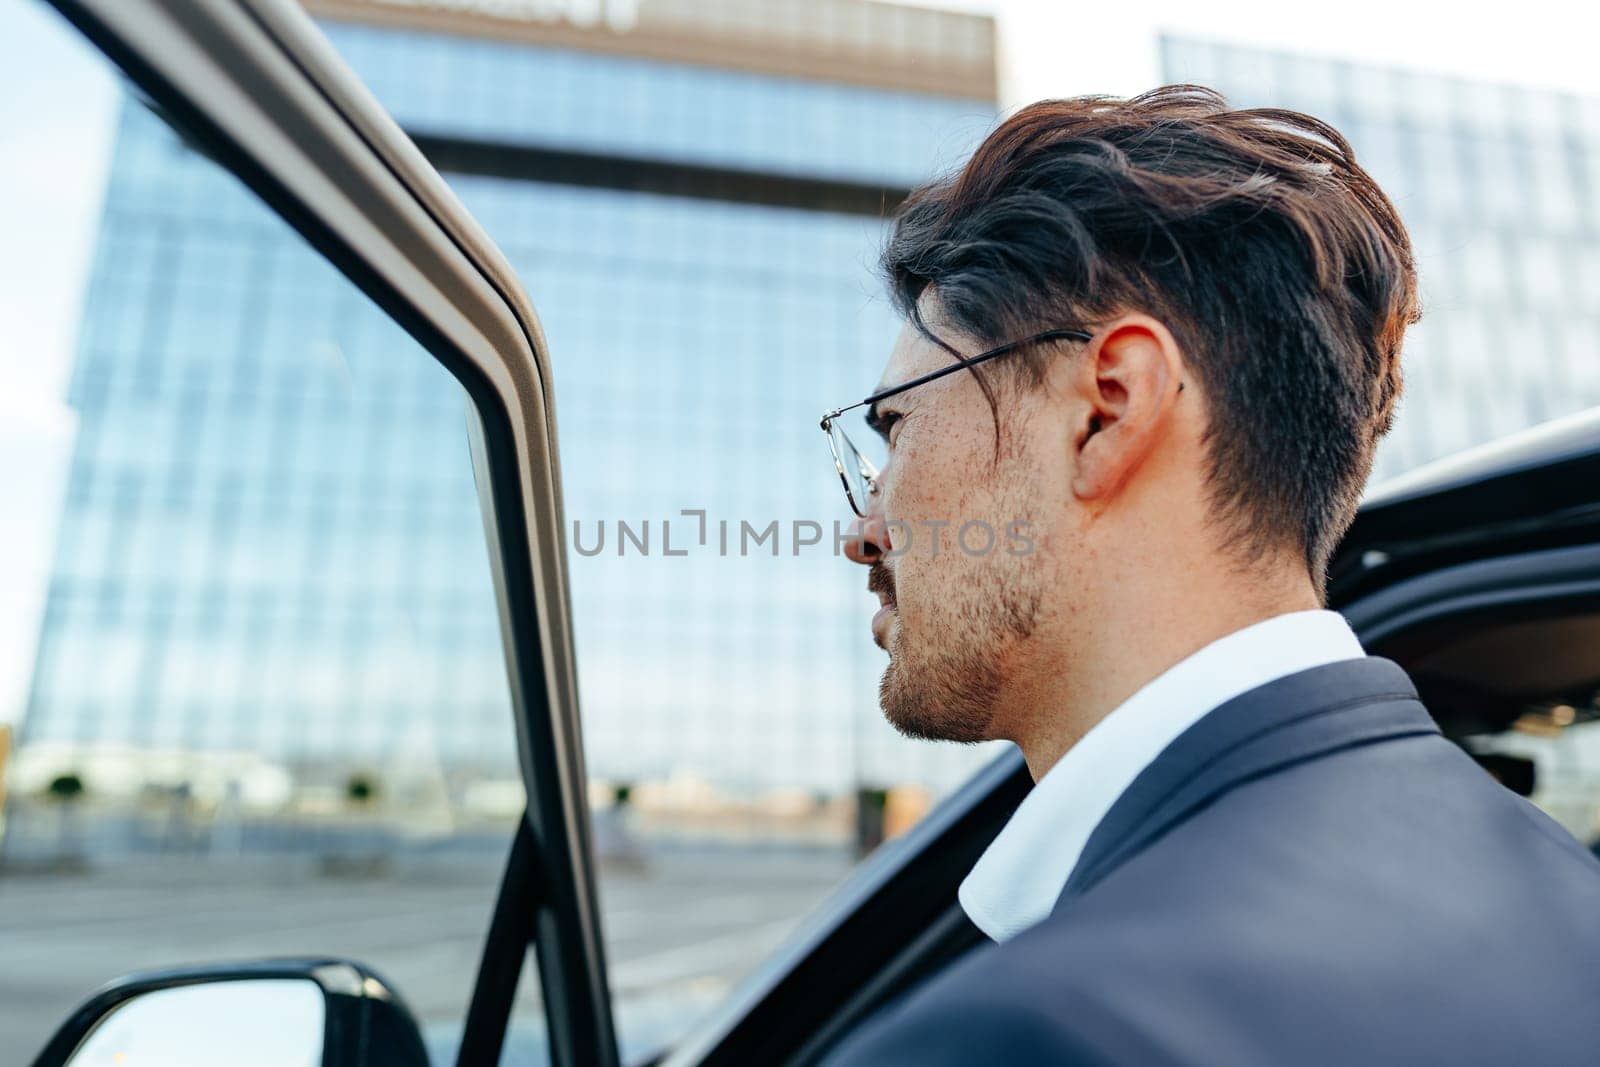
981, 357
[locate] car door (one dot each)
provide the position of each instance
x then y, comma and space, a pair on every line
1461, 571
253, 86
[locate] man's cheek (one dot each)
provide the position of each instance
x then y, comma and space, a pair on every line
918, 586
920, 524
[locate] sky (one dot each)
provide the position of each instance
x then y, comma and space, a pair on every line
1050, 48
60, 103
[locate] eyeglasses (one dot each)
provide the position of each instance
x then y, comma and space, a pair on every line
856, 471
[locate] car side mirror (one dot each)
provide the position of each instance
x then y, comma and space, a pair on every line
270, 1013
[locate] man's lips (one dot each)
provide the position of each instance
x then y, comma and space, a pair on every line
881, 582
880, 626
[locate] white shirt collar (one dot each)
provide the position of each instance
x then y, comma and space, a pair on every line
1018, 879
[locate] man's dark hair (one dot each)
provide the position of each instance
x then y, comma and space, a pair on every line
1281, 268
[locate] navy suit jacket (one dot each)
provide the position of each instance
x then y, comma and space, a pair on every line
1310, 874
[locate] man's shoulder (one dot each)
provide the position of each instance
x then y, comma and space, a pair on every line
1359, 907
1407, 842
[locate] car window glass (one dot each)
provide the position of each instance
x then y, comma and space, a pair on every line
696, 241
256, 696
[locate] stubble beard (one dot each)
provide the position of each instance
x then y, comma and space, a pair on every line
944, 681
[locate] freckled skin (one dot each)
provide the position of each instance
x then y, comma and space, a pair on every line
958, 616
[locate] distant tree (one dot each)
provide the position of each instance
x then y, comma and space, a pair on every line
360, 850
360, 790
65, 788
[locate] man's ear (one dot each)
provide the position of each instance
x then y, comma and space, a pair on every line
1127, 383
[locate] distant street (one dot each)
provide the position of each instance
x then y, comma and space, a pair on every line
681, 930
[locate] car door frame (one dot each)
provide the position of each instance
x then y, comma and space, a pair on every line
255, 85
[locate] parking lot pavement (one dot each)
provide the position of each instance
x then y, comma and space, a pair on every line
681, 929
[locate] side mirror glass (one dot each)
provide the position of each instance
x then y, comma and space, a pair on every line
260, 1022
269, 1013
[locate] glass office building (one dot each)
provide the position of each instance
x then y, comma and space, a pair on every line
1500, 188
693, 194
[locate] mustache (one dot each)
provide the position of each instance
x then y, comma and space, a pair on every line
881, 580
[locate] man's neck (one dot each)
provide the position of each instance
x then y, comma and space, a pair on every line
1082, 678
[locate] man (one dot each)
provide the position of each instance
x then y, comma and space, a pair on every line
1169, 336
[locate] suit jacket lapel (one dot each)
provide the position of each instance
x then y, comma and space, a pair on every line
1296, 718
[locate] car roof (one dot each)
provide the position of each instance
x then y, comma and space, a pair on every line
1540, 446
1541, 485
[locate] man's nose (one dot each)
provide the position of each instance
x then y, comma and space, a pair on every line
869, 540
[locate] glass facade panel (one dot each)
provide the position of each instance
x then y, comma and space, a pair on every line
500, 91
238, 740
239, 473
